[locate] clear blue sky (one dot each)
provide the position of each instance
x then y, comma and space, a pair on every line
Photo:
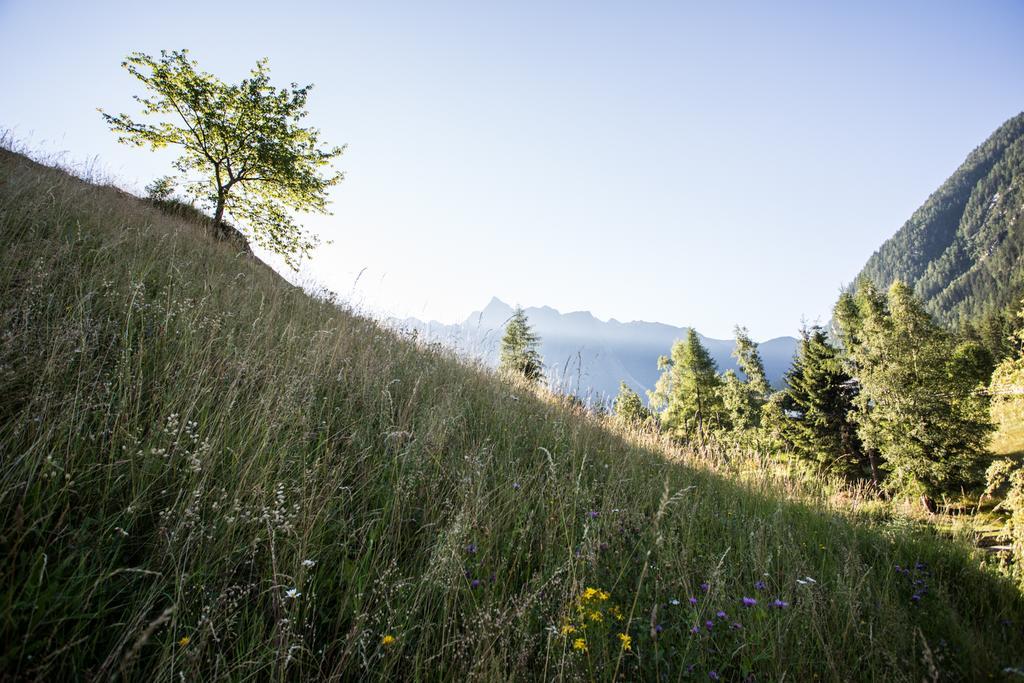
695, 164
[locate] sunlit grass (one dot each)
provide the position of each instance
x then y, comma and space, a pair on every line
208, 473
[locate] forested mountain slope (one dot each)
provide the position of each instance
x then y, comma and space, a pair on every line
961, 251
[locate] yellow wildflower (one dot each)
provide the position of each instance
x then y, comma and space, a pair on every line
626, 641
596, 616
387, 640
590, 594
603, 595
185, 640
567, 629
579, 644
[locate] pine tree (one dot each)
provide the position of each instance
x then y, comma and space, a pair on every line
688, 393
918, 405
629, 408
519, 349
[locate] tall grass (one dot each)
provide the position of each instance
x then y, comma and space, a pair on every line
208, 474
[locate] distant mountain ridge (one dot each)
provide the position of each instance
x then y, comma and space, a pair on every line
588, 356
962, 250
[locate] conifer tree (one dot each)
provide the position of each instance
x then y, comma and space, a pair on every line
689, 391
629, 408
821, 394
918, 405
744, 398
519, 349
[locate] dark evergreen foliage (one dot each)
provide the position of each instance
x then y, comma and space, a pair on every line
961, 252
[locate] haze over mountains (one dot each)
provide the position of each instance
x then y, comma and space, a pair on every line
588, 356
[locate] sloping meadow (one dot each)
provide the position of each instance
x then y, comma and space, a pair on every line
208, 474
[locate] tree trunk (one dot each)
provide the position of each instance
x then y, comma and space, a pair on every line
218, 217
873, 461
929, 503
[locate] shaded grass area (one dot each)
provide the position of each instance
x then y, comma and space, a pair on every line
208, 473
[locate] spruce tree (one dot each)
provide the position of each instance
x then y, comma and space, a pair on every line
821, 394
519, 349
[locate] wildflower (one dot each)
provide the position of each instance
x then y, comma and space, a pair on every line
695, 630
593, 514
309, 564
567, 629
579, 645
736, 626
713, 675
673, 601
185, 640
595, 616
387, 640
760, 585
292, 593
515, 486
658, 628
589, 594
471, 548
705, 587
626, 641
780, 604
721, 615
709, 624
749, 602
693, 601
474, 584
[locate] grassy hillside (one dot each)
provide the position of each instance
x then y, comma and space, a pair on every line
207, 474
963, 250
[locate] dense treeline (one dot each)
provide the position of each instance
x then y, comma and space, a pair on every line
888, 396
961, 252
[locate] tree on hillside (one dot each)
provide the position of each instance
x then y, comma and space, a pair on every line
688, 393
820, 397
519, 349
744, 398
242, 150
629, 408
919, 403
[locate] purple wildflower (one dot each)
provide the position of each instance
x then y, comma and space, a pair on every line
474, 584
736, 626
705, 587
471, 548
693, 600
722, 615
759, 585
780, 604
749, 602
916, 597
593, 514
695, 630
713, 675
709, 624
658, 628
